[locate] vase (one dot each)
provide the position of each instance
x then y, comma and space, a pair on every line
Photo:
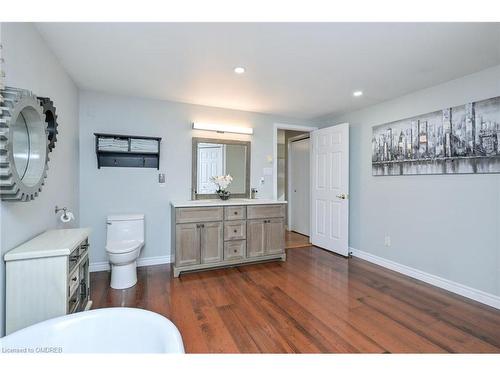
224, 195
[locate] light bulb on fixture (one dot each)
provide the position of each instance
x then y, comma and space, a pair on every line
239, 70
357, 93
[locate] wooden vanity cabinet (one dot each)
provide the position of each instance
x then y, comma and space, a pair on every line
199, 243
256, 230
211, 243
275, 236
187, 250
265, 236
215, 236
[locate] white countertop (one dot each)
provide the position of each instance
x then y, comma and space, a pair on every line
229, 202
56, 242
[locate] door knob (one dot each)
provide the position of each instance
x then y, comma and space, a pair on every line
341, 196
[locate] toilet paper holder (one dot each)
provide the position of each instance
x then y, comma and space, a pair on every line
65, 212
58, 209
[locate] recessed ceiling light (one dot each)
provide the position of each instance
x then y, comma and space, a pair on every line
239, 70
357, 93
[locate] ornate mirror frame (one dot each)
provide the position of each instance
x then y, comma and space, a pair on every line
24, 144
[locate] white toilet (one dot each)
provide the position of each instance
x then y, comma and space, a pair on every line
125, 239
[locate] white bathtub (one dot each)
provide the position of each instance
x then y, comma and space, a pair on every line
111, 330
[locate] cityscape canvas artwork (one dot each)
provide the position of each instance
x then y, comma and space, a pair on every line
463, 139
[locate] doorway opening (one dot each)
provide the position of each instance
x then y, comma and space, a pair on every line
292, 180
325, 207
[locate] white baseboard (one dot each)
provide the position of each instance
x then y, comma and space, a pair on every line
451, 286
99, 266
141, 262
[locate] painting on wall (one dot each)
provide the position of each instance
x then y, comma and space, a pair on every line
463, 139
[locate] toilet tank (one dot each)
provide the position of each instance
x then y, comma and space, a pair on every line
125, 228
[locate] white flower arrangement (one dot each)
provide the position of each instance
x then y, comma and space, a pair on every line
222, 182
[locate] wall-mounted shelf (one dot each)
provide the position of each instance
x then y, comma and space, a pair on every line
119, 150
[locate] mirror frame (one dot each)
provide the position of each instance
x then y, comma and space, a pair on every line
194, 168
23, 185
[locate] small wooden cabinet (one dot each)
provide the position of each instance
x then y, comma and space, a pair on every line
275, 238
187, 250
256, 238
211, 243
47, 277
265, 236
215, 236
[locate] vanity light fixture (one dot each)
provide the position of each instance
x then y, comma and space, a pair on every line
221, 128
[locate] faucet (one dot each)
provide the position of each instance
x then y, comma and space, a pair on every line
253, 193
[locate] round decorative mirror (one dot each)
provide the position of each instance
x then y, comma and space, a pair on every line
23, 144
51, 119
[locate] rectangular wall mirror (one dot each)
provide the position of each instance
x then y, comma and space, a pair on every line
216, 157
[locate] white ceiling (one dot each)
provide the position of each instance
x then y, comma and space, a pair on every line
302, 70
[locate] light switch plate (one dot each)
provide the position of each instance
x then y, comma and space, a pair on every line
161, 178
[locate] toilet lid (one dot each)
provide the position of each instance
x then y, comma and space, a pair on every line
120, 247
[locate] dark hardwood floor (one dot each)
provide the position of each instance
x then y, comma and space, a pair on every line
315, 302
294, 240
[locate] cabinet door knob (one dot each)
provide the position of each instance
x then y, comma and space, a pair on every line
73, 279
236, 212
235, 231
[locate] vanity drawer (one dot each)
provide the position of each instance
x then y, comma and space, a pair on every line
266, 211
234, 249
73, 282
198, 214
235, 230
235, 213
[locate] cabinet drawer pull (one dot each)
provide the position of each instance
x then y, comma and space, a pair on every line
236, 212
235, 231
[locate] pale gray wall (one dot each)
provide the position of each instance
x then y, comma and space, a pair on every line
31, 65
114, 190
446, 225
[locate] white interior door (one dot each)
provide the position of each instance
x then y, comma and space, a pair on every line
299, 191
210, 163
330, 188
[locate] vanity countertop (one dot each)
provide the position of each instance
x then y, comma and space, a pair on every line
229, 202
56, 242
